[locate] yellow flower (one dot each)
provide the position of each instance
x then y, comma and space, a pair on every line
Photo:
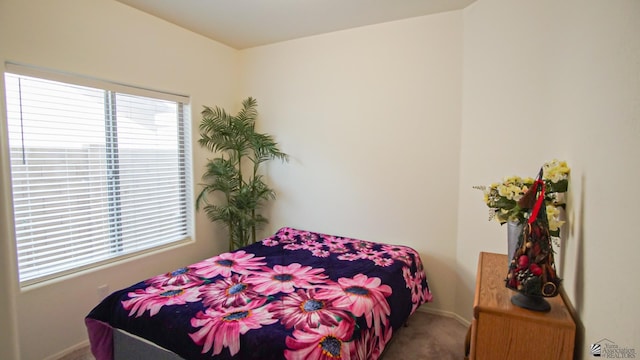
553, 215
503, 190
502, 197
515, 189
555, 170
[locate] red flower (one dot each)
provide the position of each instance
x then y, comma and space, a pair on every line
523, 261
535, 269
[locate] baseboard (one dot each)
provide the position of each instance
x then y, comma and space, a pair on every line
68, 351
450, 314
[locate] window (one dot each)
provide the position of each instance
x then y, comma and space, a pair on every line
99, 171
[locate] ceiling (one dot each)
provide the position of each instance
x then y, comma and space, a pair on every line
243, 24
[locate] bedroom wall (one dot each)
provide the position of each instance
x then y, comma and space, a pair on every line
389, 126
549, 79
371, 120
104, 39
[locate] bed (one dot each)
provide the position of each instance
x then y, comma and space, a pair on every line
295, 295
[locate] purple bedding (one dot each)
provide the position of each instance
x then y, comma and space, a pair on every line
294, 295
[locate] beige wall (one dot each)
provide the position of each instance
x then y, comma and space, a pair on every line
107, 40
545, 79
389, 126
371, 119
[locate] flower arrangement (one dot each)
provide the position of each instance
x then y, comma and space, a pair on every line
502, 198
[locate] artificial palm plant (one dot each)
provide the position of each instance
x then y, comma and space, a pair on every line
232, 178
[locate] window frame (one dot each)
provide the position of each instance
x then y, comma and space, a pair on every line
184, 151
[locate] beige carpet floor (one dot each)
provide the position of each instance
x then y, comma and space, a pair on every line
427, 336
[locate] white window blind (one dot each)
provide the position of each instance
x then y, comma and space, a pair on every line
96, 174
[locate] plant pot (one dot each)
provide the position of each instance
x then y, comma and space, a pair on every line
535, 303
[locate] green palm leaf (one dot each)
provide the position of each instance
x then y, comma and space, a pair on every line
233, 139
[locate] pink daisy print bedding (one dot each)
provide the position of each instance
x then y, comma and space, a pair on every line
294, 295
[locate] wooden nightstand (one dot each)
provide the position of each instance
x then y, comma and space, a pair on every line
501, 330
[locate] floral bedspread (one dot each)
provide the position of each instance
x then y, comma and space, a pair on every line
294, 295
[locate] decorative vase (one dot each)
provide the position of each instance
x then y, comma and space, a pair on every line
535, 303
514, 230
